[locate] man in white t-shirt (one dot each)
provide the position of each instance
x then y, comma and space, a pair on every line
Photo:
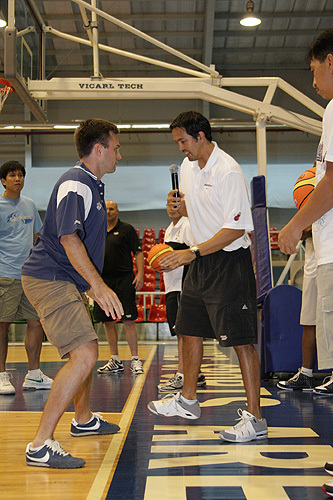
179, 236
219, 293
318, 211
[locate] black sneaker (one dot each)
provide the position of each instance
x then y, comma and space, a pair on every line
299, 382
326, 389
53, 456
95, 426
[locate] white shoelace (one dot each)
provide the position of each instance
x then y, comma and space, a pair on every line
56, 447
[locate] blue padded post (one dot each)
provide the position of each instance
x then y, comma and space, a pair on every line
261, 256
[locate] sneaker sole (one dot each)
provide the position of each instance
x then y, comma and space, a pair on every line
323, 393
174, 389
283, 388
110, 371
263, 436
32, 388
188, 417
328, 493
104, 432
330, 472
11, 393
40, 464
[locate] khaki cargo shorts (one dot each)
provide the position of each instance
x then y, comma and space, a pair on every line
14, 305
63, 311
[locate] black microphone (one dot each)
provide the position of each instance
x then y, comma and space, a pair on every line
174, 178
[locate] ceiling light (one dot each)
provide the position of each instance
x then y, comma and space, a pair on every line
3, 21
250, 19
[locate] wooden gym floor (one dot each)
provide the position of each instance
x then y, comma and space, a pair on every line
156, 457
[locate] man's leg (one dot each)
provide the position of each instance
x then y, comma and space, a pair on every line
309, 348
112, 337
180, 353
250, 368
4, 326
73, 379
192, 358
132, 336
33, 343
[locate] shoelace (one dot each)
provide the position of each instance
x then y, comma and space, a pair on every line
296, 376
56, 448
242, 418
328, 379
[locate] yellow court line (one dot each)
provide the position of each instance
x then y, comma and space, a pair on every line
108, 466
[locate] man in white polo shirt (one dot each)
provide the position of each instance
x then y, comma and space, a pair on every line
219, 292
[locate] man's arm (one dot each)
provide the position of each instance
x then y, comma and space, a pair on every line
220, 240
140, 264
99, 291
320, 202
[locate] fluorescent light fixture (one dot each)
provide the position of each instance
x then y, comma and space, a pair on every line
120, 127
250, 19
151, 125
68, 127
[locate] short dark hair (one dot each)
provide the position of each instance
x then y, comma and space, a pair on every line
11, 166
321, 46
91, 132
193, 123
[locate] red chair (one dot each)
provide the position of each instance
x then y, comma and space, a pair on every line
149, 277
137, 232
161, 235
149, 240
148, 286
149, 231
157, 314
162, 286
147, 245
149, 270
273, 238
141, 314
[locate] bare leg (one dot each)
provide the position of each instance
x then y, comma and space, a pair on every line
3, 345
112, 336
250, 368
132, 336
192, 358
72, 380
309, 346
33, 343
180, 353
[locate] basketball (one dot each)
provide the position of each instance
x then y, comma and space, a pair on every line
304, 186
156, 253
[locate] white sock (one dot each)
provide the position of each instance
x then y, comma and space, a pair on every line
34, 373
135, 357
116, 357
181, 375
306, 371
188, 401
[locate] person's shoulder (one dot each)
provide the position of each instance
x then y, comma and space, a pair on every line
27, 201
226, 162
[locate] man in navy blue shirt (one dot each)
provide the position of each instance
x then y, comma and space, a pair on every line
66, 262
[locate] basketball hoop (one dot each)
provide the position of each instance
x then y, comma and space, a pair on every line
5, 89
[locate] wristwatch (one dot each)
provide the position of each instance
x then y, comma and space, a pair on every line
196, 251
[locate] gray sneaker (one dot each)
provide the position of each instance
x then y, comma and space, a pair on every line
174, 406
112, 366
53, 456
136, 366
175, 383
248, 429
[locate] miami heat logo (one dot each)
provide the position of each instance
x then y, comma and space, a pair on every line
236, 218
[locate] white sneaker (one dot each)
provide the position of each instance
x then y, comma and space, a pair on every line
174, 384
248, 429
5, 386
40, 382
112, 366
136, 366
175, 406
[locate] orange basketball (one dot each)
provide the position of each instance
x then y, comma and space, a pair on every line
304, 186
156, 253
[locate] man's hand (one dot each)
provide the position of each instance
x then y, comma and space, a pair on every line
138, 282
174, 259
288, 238
177, 203
107, 300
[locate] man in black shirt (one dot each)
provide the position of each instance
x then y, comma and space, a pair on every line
121, 241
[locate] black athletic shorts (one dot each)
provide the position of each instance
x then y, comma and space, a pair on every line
172, 303
219, 299
124, 288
